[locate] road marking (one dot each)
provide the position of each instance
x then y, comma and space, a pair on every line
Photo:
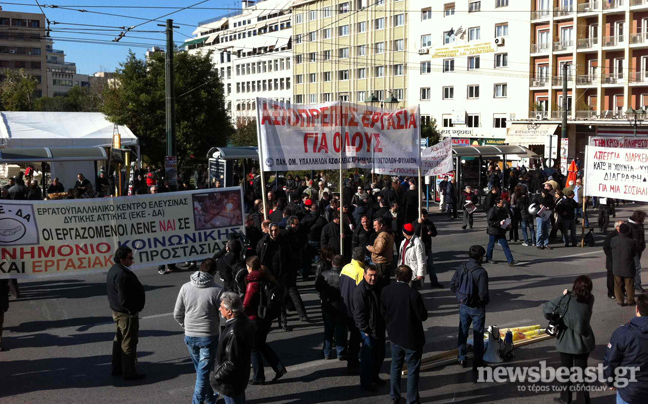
156, 316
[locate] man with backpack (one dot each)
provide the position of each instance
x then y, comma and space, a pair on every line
470, 285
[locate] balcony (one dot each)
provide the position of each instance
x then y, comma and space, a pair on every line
540, 14
612, 78
638, 78
558, 114
541, 81
587, 43
592, 6
638, 3
563, 11
538, 114
613, 5
558, 80
586, 114
639, 39
563, 46
613, 114
612, 41
540, 47
587, 80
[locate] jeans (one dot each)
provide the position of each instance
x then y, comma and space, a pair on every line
315, 245
530, 236
476, 316
372, 356
637, 261
542, 232
430, 268
579, 212
574, 361
502, 241
451, 209
203, 354
571, 226
334, 327
619, 400
235, 400
261, 350
413, 359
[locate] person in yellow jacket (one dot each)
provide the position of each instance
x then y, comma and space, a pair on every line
351, 275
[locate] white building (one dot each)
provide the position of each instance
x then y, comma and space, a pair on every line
62, 75
252, 51
469, 66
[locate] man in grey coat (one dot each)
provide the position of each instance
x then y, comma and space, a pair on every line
197, 311
624, 250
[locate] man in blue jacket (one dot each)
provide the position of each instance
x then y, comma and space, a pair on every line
625, 358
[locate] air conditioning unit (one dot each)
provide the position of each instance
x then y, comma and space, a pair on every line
424, 51
499, 41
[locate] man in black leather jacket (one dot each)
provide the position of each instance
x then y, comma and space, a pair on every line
327, 285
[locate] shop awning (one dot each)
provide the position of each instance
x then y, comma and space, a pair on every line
212, 38
529, 134
195, 41
52, 154
491, 151
282, 42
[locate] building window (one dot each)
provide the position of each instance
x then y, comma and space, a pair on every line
327, 55
447, 121
344, 97
425, 93
299, 99
426, 40
362, 27
298, 39
426, 67
448, 65
448, 37
343, 75
312, 98
474, 6
327, 33
379, 71
361, 96
343, 30
473, 62
399, 45
312, 15
399, 20
362, 73
426, 14
501, 30
448, 93
312, 77
326, 12
449, 10
499, 122
379, 23
312, 57
343, 8
398, 94
327, 76
343, 53
473, 92
501, 3
472, 121
398, 70
362, 50
501, 60
298, 59
501, 91
312, 36
474, 34
326, 97
380, 47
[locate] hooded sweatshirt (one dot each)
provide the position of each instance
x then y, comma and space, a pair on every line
196, 308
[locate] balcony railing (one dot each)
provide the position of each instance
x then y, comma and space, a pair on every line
587, 43
639, 38
563, 46
538, 14
638, 77
613, 4
615, 40
589, 7
540, 47
612, 78
538, 114
639, 2
541, 81
587, 80
558, 80
612, 114
563, 11
558, 114
586, 114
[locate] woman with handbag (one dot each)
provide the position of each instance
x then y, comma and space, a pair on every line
571, 314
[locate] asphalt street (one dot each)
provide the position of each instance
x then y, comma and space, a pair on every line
59, 334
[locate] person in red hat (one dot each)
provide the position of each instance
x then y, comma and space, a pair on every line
412, 254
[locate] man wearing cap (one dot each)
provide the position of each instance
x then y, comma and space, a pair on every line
412, 254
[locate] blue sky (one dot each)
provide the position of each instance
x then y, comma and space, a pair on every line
92, 57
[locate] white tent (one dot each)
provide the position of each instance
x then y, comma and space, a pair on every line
60, 129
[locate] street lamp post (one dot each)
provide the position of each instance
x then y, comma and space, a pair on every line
635, 117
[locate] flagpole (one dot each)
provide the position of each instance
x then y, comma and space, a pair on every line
341, 207
584, 205
420, 162
261, 161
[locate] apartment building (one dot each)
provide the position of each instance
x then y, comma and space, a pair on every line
62, 75
468, 66
604, 44
22, 45
351, 50
252, 51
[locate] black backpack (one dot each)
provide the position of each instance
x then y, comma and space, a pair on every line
270, 297
466, 289
589, 239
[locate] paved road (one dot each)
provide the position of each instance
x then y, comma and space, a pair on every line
59, 335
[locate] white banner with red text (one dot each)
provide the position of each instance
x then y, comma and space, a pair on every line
80, 236
316, 137
614, 172
437, 159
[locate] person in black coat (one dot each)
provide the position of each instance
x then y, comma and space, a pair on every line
607, 249
451, 198
489, 199
636, 224
127, 298
497, 226
623, 267
566, 211
327, 285
253, 235
297, 239
230, 377
362, 234
229, 264
4, 305
404, 312
411, 202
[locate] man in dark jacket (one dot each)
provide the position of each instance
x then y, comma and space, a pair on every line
366, 313
351, 275
498, 223
274, 252
327, 285
404, 312
451, 199
362, 234
313, 223
607, 249
331, 233
628, 348
253, 235
298, 241
623, 266
126, 297
566, 210
636, 224
230, 378
473, 308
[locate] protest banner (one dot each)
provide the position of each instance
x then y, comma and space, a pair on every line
44, 238
612, 172
316, 137
623, 142
437, 159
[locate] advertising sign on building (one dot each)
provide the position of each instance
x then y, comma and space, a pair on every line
525, 135
463, 50
337, 135
77, 237
616, 173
